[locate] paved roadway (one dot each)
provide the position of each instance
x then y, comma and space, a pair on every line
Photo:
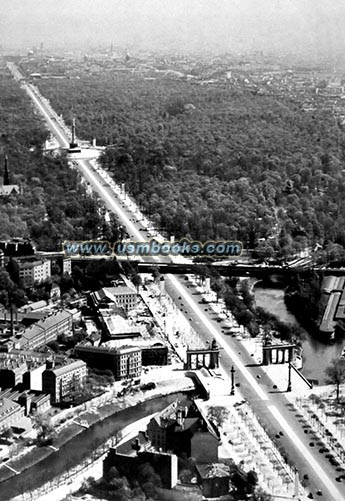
272, 408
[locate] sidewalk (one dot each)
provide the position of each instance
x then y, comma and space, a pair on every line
93, 469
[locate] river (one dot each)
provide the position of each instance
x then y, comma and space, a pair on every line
81, 446
316, 355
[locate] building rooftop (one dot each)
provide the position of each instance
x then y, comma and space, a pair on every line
12, 364
213, 470
7, 405
328, 323
38, 305
117, 325
70, 365
107, 349
6, 190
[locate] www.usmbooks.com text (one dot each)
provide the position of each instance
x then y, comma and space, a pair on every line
154, 248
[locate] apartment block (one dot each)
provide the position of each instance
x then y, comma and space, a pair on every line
124, 362
60, 382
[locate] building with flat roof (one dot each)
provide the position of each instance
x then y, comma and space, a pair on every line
153, 351
33, 270
124, 362
123, 296
115, 326
60, 382
333, 294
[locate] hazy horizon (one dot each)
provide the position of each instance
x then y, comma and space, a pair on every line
293, 25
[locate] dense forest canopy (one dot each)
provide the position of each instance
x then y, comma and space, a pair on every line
53, 205
215, 161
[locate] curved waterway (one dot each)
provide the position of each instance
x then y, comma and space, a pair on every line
316, 356
81, 446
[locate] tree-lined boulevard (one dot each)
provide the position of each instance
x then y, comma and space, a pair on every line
272, 408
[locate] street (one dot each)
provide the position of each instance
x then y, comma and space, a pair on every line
272, 408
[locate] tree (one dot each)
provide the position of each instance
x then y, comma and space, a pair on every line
260, 495
218, 287
54, 345
218, 414
336, 375
45, 429
7, 433
202, 272
156, 275
137, 281
252, 480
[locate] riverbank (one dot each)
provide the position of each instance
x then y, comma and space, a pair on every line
316, 355
72, 431
92, 469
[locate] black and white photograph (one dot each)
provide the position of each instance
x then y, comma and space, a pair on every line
172, 250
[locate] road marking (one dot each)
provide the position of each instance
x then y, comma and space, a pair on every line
325, 479
43, 111
240, 366
10, 468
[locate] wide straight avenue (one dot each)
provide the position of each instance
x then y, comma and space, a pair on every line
271, 407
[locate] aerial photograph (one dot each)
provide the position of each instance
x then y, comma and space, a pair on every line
172, 250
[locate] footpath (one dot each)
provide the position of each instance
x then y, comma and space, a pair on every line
166, 384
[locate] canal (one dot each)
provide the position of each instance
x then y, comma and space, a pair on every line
81, 446
316, 355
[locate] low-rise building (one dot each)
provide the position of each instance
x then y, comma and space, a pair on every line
10, 413
60, 382
116, 326
214, 479
55, 292
165, 465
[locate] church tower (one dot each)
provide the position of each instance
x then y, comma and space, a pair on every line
6, 173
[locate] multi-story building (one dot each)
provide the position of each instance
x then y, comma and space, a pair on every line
46, 330
153, 352
32, 401
62, 381
10, 413
11, 371
18, 367
34, 270
180, 429
124, 362
122, 296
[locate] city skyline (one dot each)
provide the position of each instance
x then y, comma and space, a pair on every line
234, 25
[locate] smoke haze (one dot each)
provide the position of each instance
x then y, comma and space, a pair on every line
226, 25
